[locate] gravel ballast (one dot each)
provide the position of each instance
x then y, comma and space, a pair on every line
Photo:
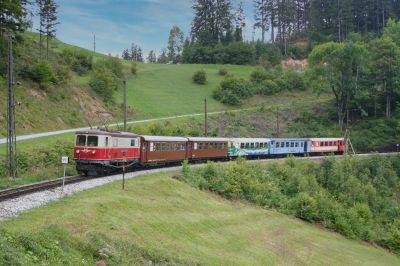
13, 207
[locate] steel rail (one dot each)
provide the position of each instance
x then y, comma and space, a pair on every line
40, 186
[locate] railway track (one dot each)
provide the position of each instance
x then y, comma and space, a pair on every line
40, 186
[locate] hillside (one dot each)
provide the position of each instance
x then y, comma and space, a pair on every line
159, 220
156, 91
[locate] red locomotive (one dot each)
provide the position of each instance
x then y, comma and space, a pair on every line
101, 152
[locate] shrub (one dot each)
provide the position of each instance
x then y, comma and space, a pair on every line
199, 77
258, 75
297, 51
134, 68
80, 62
269, 87
103, 82
113, 64
43, 74
294, 81
222, 71
232, 90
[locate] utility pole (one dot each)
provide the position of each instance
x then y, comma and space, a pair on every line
124, 85
205, 118
94, 43
11, 136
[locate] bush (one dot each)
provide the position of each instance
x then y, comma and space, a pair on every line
43, 74
297, 51
103, 82
222, 71
258, 76
134, 68
199, 77
232, 90
112, 64
80, 62
294, 81
269, 87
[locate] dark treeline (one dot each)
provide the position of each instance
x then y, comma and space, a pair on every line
282, 23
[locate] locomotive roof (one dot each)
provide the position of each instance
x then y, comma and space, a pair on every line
163, 138
108, 133
208, 139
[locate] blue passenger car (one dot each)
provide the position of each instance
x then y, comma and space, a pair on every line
289, 146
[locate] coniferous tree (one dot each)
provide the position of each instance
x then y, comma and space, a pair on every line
139, 55
134, 51
12, 14
261, 17
125, 54
240, 22
50, 21
212, 21
42, 23
152, 58
162, 59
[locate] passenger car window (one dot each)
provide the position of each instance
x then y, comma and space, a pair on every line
291, 144
133, 142
287, 144
92, 141
81, 140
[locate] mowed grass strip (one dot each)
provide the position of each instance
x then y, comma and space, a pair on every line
160, 219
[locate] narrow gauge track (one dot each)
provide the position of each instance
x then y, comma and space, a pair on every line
44, 185
40, 186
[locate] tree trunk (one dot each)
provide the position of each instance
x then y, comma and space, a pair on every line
47, 46
272, 27
40, 40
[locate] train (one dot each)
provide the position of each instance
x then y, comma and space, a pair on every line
100, 152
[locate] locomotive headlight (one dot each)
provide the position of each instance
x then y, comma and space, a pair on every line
93, 152
78, 151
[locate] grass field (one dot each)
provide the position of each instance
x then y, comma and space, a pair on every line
162, 220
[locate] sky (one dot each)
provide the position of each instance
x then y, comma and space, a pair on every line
118, 23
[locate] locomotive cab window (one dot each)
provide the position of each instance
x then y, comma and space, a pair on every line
93, 141
81, 140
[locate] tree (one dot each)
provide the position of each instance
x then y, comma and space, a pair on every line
212, 21
261, 16
240, 22
175, 44
152, 58
139, 55
162, 59
50, 11
47, 22
385, 67
134, 50
12, 14
125, 54
337, 66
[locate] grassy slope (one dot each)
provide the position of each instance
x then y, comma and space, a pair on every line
167, 221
